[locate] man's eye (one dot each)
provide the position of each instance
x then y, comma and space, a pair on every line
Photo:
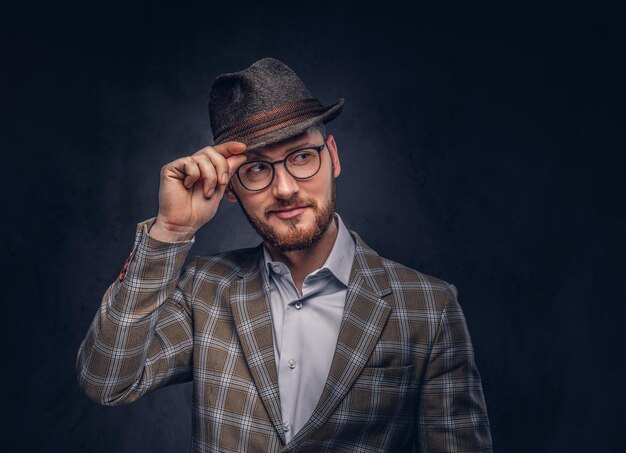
301, 157
257, 168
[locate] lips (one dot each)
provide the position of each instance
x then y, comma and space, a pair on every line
288, 212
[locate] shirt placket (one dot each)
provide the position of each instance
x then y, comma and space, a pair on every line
292, 364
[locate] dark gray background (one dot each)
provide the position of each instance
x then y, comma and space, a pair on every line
479, 144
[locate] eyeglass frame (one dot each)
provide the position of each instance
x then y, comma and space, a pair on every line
319, 150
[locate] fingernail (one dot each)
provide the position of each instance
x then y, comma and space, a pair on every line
225, 178
210, 193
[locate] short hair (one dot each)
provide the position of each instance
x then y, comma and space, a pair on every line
320, 127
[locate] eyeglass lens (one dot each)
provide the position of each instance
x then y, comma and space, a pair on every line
301, 164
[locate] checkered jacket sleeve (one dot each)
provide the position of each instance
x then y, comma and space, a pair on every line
141, 337
452, 413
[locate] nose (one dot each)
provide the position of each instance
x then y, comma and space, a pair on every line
284, 185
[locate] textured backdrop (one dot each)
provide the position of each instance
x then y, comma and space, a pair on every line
480, 145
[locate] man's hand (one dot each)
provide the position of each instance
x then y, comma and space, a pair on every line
191, 189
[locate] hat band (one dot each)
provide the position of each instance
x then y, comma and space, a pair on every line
271, 120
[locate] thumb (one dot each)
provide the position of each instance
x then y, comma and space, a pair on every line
234, 162
228, 149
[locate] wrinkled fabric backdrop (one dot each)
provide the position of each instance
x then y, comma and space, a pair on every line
478, 144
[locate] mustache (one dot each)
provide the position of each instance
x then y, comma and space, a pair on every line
291, 203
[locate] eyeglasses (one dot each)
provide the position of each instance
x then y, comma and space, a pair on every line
303, 163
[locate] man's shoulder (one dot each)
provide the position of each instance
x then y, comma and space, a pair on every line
413, 289
410, 289
401, 275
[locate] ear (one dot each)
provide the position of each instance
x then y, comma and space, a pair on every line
230, 193
334, 155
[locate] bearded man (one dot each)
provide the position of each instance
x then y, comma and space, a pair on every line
310, 341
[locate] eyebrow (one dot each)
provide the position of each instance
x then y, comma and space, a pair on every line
259, 154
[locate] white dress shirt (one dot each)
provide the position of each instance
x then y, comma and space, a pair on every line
306, 326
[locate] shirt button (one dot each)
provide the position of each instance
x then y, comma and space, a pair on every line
286, 426
277, 269
292, 364
298, 305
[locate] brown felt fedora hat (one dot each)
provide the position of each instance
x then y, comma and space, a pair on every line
264, 104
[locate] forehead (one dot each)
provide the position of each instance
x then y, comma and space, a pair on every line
310, 137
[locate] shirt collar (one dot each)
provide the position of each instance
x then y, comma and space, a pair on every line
339, 261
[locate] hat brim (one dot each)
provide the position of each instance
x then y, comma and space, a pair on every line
330, 113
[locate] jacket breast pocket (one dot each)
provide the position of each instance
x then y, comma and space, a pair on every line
391, 376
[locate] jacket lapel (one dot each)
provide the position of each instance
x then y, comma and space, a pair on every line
251, 313
364, 318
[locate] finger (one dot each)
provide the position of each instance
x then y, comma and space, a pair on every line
184, 169
220, 165
234, 162
228, 149
226, 157
191, 172
207, 171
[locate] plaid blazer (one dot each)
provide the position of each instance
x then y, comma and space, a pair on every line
403, 377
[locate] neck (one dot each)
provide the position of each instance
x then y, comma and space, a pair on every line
302, 262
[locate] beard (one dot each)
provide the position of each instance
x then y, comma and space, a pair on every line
298, 237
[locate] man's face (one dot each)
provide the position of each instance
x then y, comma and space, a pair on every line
292, 214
